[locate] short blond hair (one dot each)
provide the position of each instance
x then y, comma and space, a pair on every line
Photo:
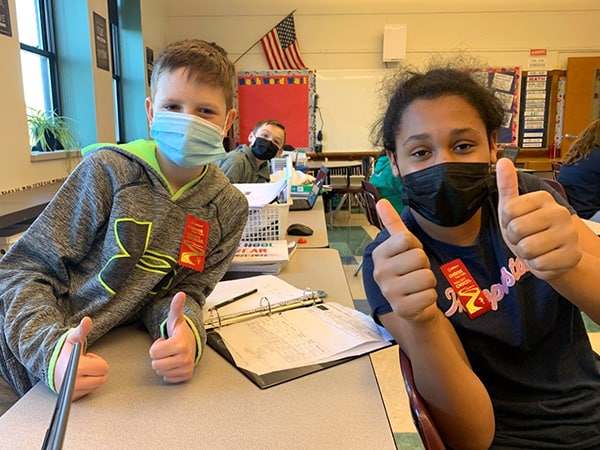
205, 62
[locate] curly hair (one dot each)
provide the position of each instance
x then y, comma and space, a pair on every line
205, 62
589, 139
410, 84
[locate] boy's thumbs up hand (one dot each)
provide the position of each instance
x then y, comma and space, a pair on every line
176, 318
401, 268
173, 358
536, 228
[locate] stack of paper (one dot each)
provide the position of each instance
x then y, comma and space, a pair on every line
261, 194
267, 257
302, 337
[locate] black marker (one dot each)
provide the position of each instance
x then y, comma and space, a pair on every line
235, 299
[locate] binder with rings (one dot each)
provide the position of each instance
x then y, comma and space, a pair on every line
216, 320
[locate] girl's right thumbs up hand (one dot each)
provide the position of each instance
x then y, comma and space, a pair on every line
402, 270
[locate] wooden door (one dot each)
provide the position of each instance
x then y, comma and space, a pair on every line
579, 98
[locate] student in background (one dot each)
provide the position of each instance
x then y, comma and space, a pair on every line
482, 278
140, 231
580, 173
388, 185
250, 163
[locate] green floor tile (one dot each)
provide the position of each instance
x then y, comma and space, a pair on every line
590, 325
408, 441
349, 241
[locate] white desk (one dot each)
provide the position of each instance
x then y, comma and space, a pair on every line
337, 408
314, 218
594, 226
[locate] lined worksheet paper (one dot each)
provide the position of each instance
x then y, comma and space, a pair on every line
302, 337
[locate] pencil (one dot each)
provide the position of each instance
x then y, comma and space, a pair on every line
235, 299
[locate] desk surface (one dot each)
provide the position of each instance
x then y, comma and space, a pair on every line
594, 226
336, 408
314, 218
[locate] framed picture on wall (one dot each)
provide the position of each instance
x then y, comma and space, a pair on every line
101, 42
149, 63
5, 27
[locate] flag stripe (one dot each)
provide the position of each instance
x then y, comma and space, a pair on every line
295, 55
274, 51
277, 51
280, 46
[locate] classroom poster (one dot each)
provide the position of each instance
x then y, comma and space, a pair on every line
287, 96
534, 109
505, 83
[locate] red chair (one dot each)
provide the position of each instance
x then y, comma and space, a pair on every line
371, 197
421, 417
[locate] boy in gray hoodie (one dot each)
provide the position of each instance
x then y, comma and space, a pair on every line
140, 231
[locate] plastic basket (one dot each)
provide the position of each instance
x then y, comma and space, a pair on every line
268, 223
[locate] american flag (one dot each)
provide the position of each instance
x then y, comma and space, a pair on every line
281, 46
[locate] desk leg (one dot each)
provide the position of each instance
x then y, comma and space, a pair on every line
332, 214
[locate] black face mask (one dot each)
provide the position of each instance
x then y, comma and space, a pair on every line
447, 194
264, 149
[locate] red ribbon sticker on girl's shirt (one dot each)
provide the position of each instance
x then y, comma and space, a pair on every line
474, 302
193, 243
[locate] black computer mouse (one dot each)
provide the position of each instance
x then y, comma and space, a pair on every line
298, 229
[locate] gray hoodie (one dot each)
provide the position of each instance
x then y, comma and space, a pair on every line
107, 246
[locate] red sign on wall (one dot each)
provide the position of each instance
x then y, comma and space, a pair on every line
286, 96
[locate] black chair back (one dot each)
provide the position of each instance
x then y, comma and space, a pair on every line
371, 196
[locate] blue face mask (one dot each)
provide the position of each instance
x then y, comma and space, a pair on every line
186, 140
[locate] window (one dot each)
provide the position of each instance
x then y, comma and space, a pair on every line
113, 18
38, 54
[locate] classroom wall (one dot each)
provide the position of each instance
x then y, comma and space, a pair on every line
96, 116
343, 41
348, 34
337, 37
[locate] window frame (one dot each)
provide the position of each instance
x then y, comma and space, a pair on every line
115, 54
48, 51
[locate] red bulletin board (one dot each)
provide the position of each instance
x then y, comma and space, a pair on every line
286, 95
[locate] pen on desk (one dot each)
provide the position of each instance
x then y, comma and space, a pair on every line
235, 299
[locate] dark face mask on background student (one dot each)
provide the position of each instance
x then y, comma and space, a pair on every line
447, 194
264, 149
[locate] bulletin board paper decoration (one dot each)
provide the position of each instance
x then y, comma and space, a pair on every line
286, 96
560, 111
505, 82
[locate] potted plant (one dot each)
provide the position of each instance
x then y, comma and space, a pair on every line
49, 131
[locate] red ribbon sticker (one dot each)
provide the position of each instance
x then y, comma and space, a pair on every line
193, 243
467, 290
